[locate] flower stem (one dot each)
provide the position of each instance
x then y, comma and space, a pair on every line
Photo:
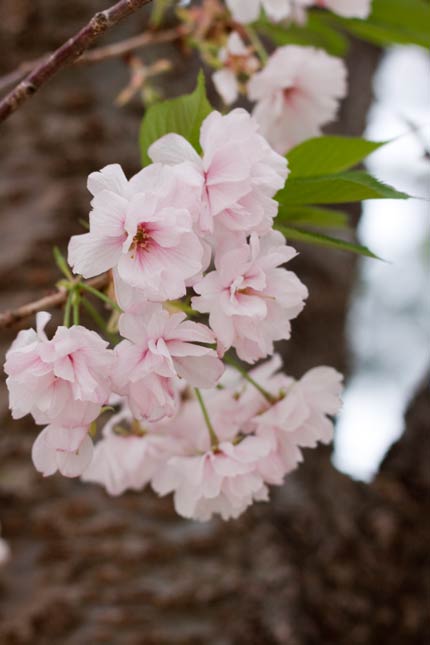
181, 306
76, 298
269, 397
257, 44
100, 295
212, 433
61, 263
92, 311
68, 310
98, 319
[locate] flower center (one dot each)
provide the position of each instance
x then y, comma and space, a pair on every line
289, 93
141, 239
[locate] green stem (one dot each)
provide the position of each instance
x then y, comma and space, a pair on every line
257, 44
212, 433
92, 311
183, 306
68, 310
76, 306
98, 319
100, 295
61, 263
230, 361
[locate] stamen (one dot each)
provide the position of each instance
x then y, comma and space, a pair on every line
141, 239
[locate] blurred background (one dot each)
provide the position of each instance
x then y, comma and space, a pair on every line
340, 555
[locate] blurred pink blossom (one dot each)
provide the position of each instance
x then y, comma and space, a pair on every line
297, 93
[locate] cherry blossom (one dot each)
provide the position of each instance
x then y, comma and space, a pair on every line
65, 378
68, 450
249, 298
202, 223
158, 349
240, 172
297, 93
299, 419
128, 456
148, 236
237, 60
224, 481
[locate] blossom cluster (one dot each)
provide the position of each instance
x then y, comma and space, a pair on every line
295, 90
258, 442
189, 236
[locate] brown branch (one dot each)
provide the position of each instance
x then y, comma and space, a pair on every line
100, 54
9, 318
68, 53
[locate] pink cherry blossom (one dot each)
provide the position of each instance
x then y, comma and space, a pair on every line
222, 482
301, 415
68, 450
127, 460
158, 349
250, 298
297, 93
240, 172
298, 419
237, 60
347, 8
64, 379
146, 236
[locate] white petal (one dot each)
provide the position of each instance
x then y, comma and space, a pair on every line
42, 454
173, 149
42, 319
244, 10
235, 45
276, 9
108, 178
226, 85
200, 371
73, 464
91, 255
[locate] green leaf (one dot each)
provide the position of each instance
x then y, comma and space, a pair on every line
392, 21
183, 115
341, 188
312, 216
329, 154
324, 240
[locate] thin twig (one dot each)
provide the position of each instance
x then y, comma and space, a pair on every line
68, 53
100, 54
131, 44
9, 318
